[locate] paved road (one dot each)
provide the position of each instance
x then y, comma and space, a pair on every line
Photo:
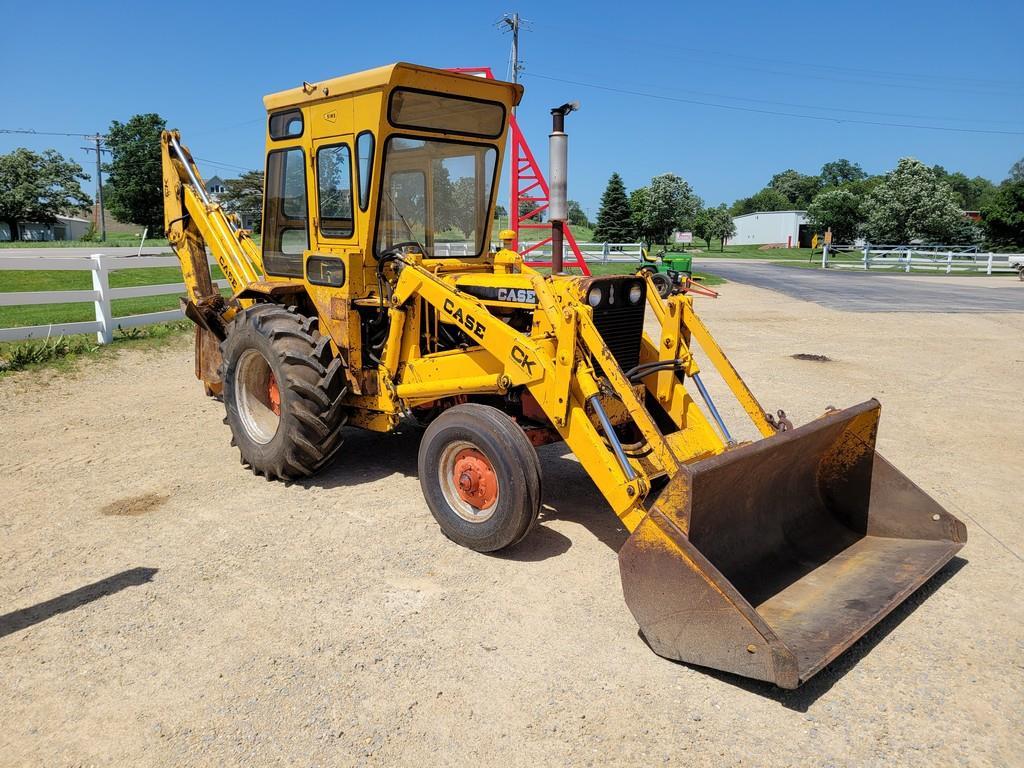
159, 250
855, 292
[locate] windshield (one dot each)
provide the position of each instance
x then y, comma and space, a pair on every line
436, 194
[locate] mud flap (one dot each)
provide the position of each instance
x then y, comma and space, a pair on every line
771, 559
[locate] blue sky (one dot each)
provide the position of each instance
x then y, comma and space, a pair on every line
205, 66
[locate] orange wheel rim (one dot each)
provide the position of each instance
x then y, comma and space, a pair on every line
274, 395
474, 479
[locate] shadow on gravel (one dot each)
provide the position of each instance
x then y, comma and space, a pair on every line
569, 494
26, 617
367, 456
806, 695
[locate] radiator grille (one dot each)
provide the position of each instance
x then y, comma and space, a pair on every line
620, 323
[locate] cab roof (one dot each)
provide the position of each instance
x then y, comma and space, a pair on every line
399, 73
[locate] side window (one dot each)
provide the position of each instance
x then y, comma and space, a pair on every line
285, 230
334, 190
286, 125
364, 154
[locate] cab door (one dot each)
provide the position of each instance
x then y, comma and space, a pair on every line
333, 265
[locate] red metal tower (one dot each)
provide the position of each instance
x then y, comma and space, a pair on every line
529, 193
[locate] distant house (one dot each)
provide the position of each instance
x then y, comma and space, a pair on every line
65, 228
786, 228
215, 187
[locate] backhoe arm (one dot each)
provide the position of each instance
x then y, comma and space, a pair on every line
194, 222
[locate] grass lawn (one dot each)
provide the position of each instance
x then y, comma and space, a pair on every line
42, 280
64, 353
751, 252
114, 239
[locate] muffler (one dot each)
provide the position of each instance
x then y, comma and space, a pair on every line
771, 559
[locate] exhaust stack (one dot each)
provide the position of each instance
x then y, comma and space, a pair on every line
558, 205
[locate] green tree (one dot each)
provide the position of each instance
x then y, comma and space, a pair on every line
798, 188
840, 172
39, 187
910, 204
668, 204
704, 225
838, 210
466, 209
1017, 171
767, 199
613, 219
722, 225
970, 193
639, 202
577, 216
525, 206
134, 187
244, 196
1003, 214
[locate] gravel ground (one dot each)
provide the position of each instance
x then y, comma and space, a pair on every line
162, 606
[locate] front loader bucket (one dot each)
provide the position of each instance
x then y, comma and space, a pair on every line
771, 559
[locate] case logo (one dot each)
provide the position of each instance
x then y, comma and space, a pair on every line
473, 326
518, 295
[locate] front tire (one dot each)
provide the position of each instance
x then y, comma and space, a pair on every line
480, 477
283, 392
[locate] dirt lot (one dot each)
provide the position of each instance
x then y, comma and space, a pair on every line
162, 606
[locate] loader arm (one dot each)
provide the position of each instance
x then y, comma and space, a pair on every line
765, 558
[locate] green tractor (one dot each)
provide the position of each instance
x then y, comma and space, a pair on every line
670, 271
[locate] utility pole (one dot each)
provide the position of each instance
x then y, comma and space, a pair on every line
514, 24
97, 139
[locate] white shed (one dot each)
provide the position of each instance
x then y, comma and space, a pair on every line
770, 227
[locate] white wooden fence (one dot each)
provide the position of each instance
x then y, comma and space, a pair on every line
101, 294
907, 258
602, 252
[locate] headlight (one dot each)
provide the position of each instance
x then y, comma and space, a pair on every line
594, 296
635, 294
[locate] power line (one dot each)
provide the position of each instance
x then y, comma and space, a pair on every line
942, 82
778, 113
822, 108
82, 135
222, 165
94, 136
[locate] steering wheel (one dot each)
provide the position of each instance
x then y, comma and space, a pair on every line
398, 249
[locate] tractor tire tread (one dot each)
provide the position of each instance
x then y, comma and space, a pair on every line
309, 432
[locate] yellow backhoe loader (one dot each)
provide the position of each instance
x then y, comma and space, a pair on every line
375, 295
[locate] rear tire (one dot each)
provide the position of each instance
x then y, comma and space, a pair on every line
283, 392
480, 476
662, 283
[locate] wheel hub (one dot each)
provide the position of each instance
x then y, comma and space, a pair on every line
474, 478
274, 395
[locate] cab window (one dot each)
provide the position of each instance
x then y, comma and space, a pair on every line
364, 154
285, 214
334, 190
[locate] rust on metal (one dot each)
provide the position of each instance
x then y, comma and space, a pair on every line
795, 545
